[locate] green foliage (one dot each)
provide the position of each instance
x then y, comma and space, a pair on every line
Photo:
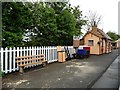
113, 35
66, 27
79, 20
1, 73
43, 23
43, 26
14, 20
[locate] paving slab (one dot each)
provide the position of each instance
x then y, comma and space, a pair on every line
76, 73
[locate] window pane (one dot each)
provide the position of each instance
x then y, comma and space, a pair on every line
90, 42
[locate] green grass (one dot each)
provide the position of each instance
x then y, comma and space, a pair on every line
1, 73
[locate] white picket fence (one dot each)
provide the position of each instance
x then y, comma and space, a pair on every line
8, 63
70, 48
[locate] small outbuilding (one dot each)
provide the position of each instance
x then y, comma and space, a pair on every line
118, 43
98, 41
114, 44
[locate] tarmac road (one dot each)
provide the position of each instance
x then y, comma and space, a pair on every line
110, 79
80, 73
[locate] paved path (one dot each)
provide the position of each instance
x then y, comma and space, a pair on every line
110, 78
71, 74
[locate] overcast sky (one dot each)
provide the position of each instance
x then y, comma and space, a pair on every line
108, 9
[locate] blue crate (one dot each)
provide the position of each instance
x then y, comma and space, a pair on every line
81, 52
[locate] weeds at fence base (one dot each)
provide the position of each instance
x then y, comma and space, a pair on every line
1, 74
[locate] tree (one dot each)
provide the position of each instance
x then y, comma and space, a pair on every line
113, 35
93, 19
66, 27
63, 28
44, 25
79, 20
14, 20
40, 24
72, 19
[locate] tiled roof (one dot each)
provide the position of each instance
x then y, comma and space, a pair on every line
94, 33
98, 32
104, 35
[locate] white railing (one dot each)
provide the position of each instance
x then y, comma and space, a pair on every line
8, 63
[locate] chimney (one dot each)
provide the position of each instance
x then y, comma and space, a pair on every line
94, 27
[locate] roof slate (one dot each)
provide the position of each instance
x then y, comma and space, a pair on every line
100, 33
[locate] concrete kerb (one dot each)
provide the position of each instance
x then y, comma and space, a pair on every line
93, 82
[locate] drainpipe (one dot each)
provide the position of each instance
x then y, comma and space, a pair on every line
99, 47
